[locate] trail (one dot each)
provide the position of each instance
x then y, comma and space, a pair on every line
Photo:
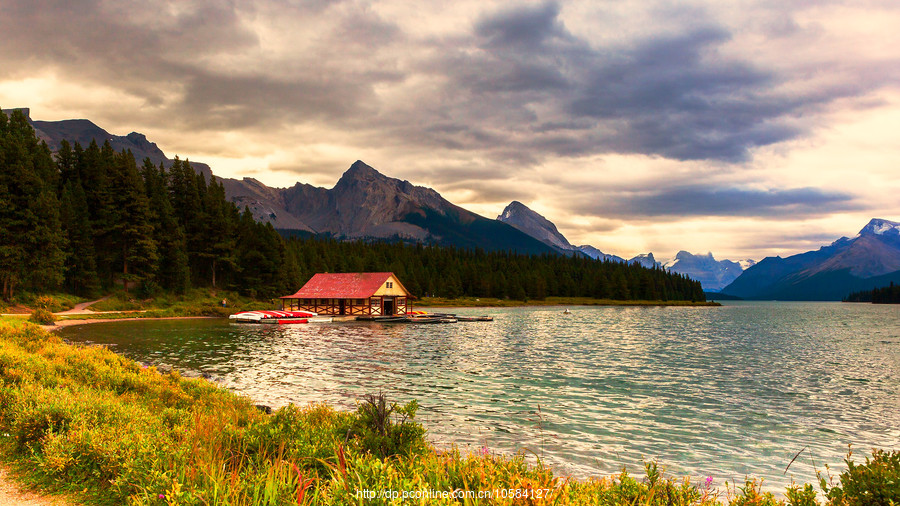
83, 308
11, 494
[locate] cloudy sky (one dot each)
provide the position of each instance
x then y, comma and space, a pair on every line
746, 128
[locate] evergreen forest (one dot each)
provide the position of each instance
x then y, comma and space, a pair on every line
90, 220
884, 295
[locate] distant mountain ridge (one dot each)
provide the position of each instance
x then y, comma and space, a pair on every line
367, 204
869, 260
84, 131
364, 204
596, 254
713, 274
521, 217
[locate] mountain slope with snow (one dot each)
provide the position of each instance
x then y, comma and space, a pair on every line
869, 260
713, 274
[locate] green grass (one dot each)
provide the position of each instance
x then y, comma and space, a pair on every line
549, 301
196, 301
85, 421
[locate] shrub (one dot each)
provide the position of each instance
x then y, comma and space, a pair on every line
752, 495
386, 429
42, 316
44, 302
805, 496
875, 483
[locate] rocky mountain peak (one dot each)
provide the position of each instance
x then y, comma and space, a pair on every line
713, 274
521, 217
140, 140
361, 170
515, 207
879, 226
24, 110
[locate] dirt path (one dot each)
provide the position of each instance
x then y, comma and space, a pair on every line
83, 307
11, 494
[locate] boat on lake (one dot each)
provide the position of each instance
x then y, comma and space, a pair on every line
382, 319
484, 318
278, 317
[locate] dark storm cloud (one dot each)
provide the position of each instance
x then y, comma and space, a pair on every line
670, 100
522, 28
700, 200
195, 61
515, 89
548, 92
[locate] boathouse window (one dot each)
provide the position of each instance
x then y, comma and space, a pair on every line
359, 302
389, 284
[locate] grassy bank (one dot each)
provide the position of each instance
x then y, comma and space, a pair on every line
91, 423
549, 301
197, 302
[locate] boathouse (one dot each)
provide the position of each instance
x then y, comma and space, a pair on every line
350, 294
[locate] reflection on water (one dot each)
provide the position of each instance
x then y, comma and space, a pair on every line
724, 392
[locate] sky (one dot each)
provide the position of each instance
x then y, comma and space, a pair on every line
743, 128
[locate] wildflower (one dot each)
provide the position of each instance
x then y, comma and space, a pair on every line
485, 451
709, 481
162, 496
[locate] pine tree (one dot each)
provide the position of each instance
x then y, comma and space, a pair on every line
131, 230
218, 231
81, 268
173, 272
31, 240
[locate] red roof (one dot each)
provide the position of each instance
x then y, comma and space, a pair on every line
351, 285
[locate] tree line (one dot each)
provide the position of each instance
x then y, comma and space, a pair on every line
88, 220
884, 295
453, 272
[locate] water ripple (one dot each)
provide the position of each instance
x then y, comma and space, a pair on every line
729, 392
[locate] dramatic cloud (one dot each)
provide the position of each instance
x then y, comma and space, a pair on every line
606, 116
717, 201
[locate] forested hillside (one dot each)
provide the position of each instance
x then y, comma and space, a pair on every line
885, 295
452, 272
89, 220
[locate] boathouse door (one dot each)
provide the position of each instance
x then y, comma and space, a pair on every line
342, 306
388, 306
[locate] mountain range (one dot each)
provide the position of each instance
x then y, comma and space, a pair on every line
365, 204
871, 259
712, 274
84, 131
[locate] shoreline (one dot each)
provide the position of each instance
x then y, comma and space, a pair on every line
83, 321
437, 303
441, 445
555, 302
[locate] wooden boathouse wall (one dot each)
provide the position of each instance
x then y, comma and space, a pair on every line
384, 294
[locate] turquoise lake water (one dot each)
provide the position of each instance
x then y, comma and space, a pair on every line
727, 392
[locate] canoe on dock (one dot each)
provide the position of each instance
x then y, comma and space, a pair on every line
276, 317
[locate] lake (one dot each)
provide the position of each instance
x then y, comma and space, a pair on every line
727, 392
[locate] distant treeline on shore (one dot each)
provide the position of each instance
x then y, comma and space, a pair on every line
88, 220
885, 295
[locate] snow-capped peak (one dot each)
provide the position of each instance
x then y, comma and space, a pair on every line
878, 226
